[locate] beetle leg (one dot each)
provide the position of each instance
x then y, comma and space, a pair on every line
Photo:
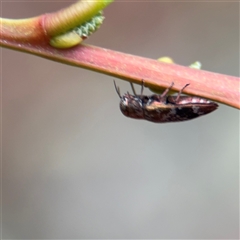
142, 87
180, 92
133, 89
166, 91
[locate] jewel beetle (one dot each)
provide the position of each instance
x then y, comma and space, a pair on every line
163, 108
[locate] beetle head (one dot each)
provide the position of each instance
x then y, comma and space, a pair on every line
131, 106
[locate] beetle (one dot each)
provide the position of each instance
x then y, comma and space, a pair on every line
163, 108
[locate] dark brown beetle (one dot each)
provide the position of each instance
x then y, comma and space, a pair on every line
163, 108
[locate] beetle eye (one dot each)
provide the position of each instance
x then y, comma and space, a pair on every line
124, 100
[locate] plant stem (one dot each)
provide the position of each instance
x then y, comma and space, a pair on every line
34, 35
214, 86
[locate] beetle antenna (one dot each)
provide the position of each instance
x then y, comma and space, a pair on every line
117, 89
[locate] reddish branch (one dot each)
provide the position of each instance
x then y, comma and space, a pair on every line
214, 86
32, 37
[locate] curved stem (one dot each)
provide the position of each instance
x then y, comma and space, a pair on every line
38, 29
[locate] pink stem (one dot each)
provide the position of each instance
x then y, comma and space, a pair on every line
218, 87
